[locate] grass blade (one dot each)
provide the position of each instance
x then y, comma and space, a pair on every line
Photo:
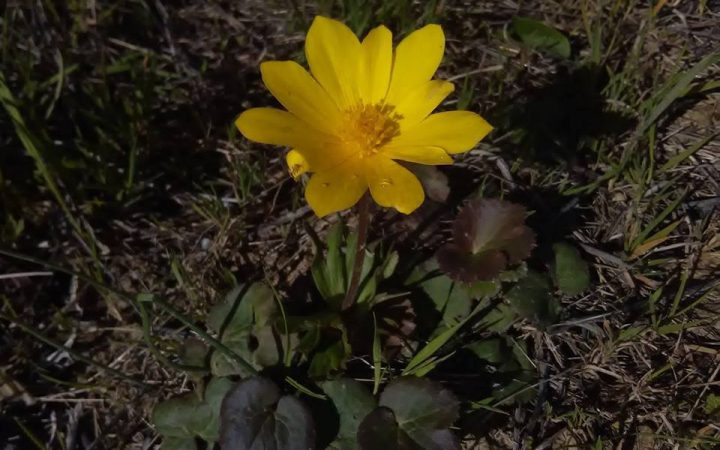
642, 237
675, 88
377, 357
685, 154
29, 143
422, 357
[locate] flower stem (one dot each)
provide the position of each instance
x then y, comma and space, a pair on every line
363, 222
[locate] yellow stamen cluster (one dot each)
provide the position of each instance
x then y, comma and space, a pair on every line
368, 127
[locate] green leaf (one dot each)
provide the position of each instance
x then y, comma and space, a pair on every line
413, 413
255, 415
332, 271
492, 350
498, 319
419, 402
181, 417
515, 274
331, 353
451, 299
391, 262
335, 268
215, 392
327, 269
532, 299
175, 443
353, 402
309, 340
244, 321
188, 416
220, 314
370, 275
539, 36
379, 429
258, 347
194, 352
483, 289
571, 272
233, 316
517, 390
712, 405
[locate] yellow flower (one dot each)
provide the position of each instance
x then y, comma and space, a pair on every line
363, 108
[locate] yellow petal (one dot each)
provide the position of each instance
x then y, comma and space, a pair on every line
454, 131
297, 164
375, 65
277, 127
335, 189
417, 58
422, 155
419, 103
293, 86
392, 185
324, 156
333, 54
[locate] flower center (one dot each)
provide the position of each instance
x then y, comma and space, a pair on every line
367, 128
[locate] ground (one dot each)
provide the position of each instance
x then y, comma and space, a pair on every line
121, 163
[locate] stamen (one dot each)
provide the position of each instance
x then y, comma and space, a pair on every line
369, 127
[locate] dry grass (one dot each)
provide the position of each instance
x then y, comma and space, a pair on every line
205, 207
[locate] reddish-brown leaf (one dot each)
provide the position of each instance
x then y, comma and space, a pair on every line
489, 235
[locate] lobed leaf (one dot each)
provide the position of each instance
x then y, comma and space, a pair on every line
712, 405
187, 416
413, 413
243, 307
571, 272
194, 352
489, 235
330, 353
540, 36
244, 322
353, 402
174, 443
532, 299
255, 415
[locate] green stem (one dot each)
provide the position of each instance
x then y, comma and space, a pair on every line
363, 222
